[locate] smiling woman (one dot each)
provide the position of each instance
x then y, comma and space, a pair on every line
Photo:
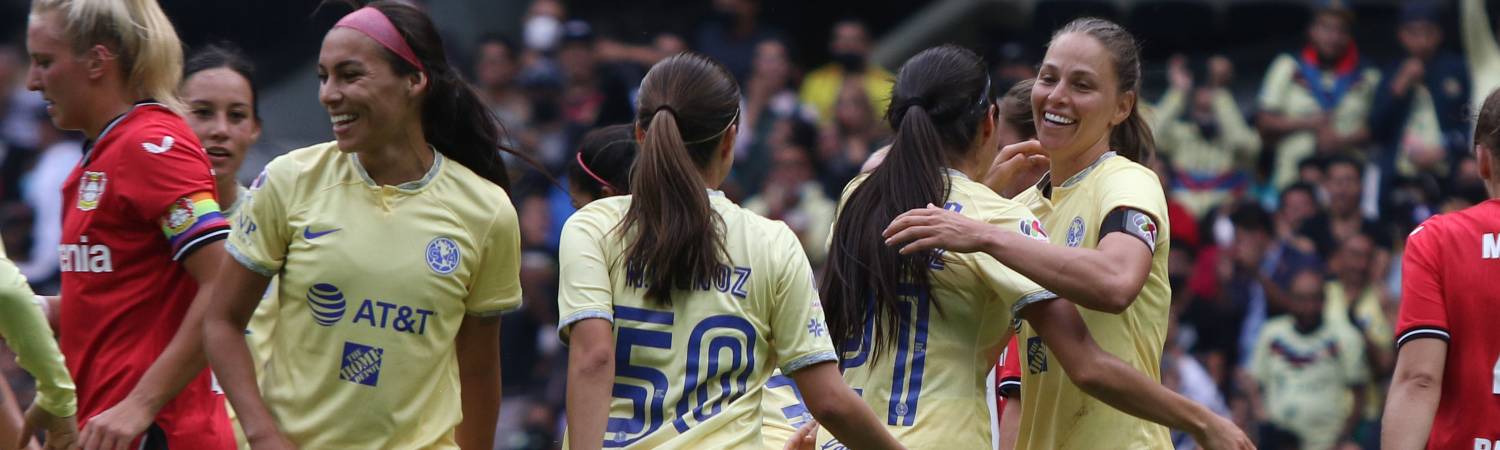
401, 256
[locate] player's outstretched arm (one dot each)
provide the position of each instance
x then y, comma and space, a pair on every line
25, 328
1106, 279
838, 409
1110, 380
591, 374
478, 349
1412, 401
178, 364
233, 300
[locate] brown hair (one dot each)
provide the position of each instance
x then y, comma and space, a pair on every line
1487, 126
1015, 108
939, 99
687, 103
1131, 138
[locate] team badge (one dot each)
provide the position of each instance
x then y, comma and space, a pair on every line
180, 216
90, 190
1075, 232
442, 255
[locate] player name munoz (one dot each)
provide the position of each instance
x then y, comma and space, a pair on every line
732, 280
82, 257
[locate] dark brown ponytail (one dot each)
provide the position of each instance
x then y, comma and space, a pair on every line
687, 104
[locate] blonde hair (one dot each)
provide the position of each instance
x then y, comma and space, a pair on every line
137, 31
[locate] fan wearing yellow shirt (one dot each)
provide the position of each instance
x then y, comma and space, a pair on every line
396, 248
601, 169
1105, 214
678, 304
919, 333
24, 327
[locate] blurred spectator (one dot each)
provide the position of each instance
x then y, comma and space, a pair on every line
542, 30
593, 94
1203, 131
529, 336
848, 141
1310, 370
1356, 300
1316, 102
1419, 120
1013, 64
731, 33
1342, 217
791, 194
1481, 49
770, 98
850, 47
1297, 204
496, 70
1183, 374
42, 193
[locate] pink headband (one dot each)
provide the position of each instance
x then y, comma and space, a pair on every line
591, 173
377, 26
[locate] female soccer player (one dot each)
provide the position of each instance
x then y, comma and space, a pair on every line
396, 247
601, 169
25, 329
218, 88
677, 303
141, 227
1446, 391
1106, 213
920, 331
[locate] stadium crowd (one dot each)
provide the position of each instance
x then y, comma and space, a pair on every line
1289, 206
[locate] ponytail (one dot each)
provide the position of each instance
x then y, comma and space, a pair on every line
939, 99
137, 31
677, 234
861, 269
1132, 138
688, 103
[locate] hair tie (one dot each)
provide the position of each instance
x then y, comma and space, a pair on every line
666, 107
591, 173
377, 26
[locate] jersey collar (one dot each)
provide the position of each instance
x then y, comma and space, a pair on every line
1078, 177
88, 146
956, 174
432, 172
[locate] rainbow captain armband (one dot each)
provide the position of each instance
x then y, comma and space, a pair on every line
192, 222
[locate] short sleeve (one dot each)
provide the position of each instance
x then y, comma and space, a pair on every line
1010, 371
1136, 187
171, 184
262, 231
584, 289
496, 286
1009, 286
25, 329
1275, 86
799, 334
1423, 313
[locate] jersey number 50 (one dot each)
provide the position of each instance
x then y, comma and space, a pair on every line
702, 397
911, 353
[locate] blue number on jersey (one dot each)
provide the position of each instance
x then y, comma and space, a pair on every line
911, 353
708, 340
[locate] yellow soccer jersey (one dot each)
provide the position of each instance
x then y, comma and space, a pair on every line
1058, 415
693, 374
374, 283
782, 410
929, 389
1306, 378
262, 323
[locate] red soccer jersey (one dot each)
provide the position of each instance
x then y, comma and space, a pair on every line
1448, 292
141, 199
1007, 379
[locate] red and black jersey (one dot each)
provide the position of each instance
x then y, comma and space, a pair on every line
140, 201
1448, 292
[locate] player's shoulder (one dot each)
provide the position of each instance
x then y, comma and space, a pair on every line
470, 191
599, 215
152, 129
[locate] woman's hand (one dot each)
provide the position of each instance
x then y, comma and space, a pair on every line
1017, 167
933, 227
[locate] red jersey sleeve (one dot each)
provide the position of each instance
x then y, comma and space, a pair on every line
171, 183
1423, 313
1009, 372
